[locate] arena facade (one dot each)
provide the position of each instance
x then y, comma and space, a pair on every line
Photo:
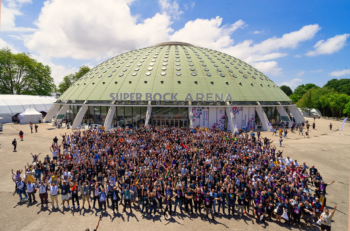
175, 84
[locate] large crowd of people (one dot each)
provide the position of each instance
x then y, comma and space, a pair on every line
176, 170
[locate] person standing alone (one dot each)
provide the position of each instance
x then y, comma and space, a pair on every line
14, 143
31, 127
21, 135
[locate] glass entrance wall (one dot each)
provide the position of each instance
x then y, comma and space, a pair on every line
97, 115
104, 111
123, 116
169, 116
129, 117
169, 113
272, 115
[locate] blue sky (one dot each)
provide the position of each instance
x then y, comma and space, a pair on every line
292, 42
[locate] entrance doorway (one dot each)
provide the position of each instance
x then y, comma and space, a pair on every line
169, 116
170, 122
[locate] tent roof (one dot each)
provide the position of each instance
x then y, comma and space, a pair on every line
13, 104
30, 111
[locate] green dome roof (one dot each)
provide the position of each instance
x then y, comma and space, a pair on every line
175, 67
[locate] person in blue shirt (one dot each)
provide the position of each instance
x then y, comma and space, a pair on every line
178, 198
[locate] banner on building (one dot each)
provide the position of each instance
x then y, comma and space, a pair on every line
235, 129
270, 127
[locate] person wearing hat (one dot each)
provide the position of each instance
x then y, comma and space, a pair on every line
64, 192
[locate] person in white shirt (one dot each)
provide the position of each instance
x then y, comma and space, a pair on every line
31, 191
67, 174
288, 161
184, 170
20, 189
42, 192
102, 200
326, 219
53, 194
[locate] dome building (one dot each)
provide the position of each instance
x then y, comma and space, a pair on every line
175, 84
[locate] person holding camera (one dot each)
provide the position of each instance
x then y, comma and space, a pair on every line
326, 219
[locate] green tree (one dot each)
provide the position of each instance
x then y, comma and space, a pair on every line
301, 90
342, 86
20, 74
286, 90
346, 110
336, 103
307, 102
68, 80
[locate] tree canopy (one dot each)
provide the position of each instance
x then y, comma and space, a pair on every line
340, 85
301, 90
20, 74
68, 80
286, 90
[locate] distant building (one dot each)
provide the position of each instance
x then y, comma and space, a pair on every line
175, 84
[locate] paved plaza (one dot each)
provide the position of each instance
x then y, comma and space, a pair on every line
328, 150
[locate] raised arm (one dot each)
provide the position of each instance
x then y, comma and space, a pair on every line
99, 219
335, 207
331, 182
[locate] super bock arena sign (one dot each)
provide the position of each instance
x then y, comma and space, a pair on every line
208, 97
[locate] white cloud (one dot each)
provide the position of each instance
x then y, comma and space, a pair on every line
207, 33
9, 13
192, 5
4, 44
316, 71
17, 37
57, 71
16, 3
170, 8
90, 29
270, 67
297, 56
292, 84
83, 34
301, 73
340, 73
268, 49
329, 46
258, 32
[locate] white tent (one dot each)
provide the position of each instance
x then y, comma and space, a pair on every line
11, 105
30, 115
310, 112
